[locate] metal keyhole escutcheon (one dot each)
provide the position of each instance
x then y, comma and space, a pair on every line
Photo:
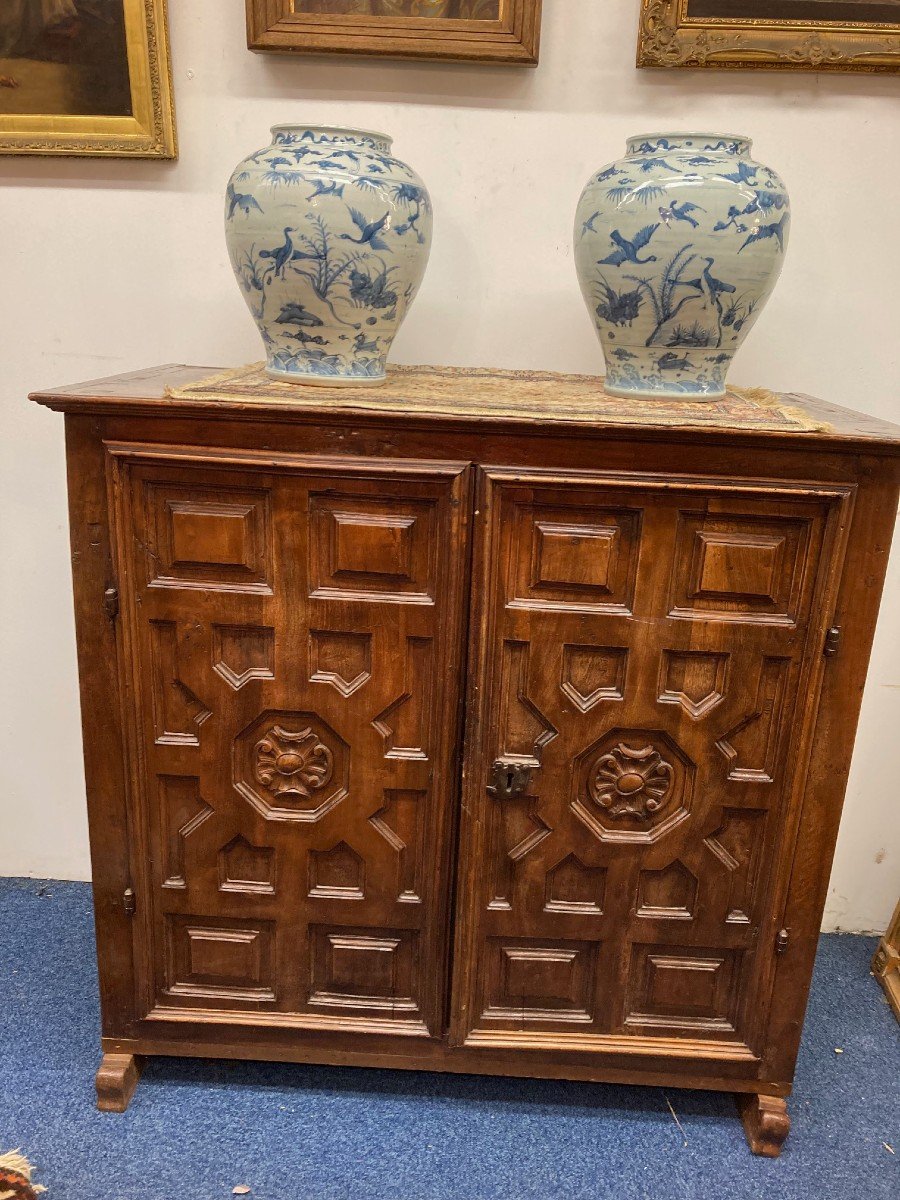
508, 779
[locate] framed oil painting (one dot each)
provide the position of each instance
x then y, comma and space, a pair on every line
496, 31
85, 77
815, 35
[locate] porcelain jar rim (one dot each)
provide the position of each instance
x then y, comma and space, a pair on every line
742, 143
349, 131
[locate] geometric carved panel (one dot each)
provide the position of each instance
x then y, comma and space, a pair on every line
683, 987
243, 653
669, 894
750, 746
540, 980
218, 958
401, 823
291, 766
524, 730
342, 659
182, 811
593, 673
740, 567
405, 725
372, 969
574, 888
372, 548
337, 874
737, 844
246, 868
574, 559
634, 785
177, 712
695, 679
214, 538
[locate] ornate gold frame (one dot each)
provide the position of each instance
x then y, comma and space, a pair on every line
148, 133
514, 38
668, 38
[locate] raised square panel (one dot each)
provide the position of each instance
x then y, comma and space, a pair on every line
575, 555
740, 567
683, 987
369, 969
220, 958
541, 980
210, 538
373, 548
747, 565
574, 558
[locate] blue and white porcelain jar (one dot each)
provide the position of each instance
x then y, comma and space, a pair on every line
329, 237
678, 246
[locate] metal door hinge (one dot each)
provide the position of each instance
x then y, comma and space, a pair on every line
832, 641
129, 902
111, 602
781, 942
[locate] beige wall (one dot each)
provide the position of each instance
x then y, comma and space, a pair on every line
110, 266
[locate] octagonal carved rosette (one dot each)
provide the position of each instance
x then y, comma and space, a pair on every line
291, 766
633, 786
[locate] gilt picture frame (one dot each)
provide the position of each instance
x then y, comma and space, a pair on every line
489, 31
86, 77
811, 35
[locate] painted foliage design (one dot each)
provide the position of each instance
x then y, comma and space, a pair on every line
329, 237
678, 247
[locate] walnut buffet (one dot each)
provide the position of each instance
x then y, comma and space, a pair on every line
473, 723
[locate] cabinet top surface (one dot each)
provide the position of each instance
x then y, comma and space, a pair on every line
537, 403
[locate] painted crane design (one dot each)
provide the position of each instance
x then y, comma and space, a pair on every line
240, 200
369, 231
680, 212
628, 251
774, 229
282, 255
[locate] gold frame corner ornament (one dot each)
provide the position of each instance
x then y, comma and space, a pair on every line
513, 39
669, 38
149, 132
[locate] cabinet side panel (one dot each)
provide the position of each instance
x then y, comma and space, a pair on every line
856, 614
93, 574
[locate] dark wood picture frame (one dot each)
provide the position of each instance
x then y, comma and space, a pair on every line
806, 35
512, 39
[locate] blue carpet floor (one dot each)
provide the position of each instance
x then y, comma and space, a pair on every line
198, 1129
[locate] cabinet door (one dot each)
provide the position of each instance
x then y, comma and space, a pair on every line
649, 656
291, 633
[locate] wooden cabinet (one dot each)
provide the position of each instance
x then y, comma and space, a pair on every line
506, 737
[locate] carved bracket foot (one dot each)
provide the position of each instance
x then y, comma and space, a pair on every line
116, 1080
766, 1123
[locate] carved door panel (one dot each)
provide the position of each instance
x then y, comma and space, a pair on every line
291, 628
649, 658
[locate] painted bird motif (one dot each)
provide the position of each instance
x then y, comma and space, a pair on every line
680, 212
744, 174
647, 164
241, 200
588, 225
628, 251
282, 255
368, 230
775, 229
329, 188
